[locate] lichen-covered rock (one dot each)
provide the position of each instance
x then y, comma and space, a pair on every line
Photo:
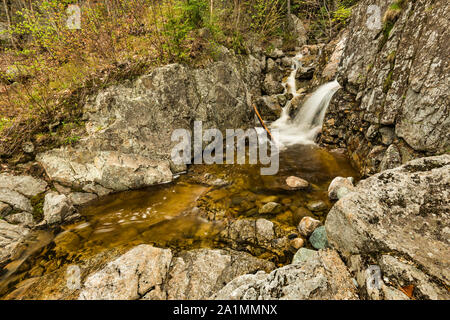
197, 274
80, 198
26, 185
297, 183
140, 271
129, 126
318, 238
307, 226
11, 236
395, 76
323, 276
15, 199
56, 208
404, 212
339, 187
22, 218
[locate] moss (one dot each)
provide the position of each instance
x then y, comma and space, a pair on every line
388, 82
37, 202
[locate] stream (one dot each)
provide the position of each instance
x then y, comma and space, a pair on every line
175, 215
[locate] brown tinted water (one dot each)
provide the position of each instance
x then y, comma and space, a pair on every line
168, 215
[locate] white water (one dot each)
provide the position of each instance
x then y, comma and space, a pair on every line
308, 122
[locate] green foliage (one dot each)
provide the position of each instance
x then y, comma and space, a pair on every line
342, 15
266, 16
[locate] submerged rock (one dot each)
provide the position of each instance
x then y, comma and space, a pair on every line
316, 205
297, 183
270, 207
405, 212
324, 276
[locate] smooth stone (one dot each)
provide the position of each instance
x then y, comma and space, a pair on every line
297, 243
270, 207
317, 205
318, 238
297, 183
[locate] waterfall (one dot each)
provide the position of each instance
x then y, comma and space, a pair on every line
304, 128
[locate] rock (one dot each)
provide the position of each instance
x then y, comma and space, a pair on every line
297, 243
270, 207
331, 68
387, 135
4, 209
197, 274
28, 147
15, 199
141, 271
403, 211
11, 236
268, 107
272, 85
80, 198
286, 62
339, 187
318, 238
303, 255
321, 277
299, 30
22, 218
97, 189
275, 53
409, 108
26, 185
62, 189
305, 73
56, 207
264, 230
268, 199
317, 205
307, 226
129, 126
391, 159
297, 183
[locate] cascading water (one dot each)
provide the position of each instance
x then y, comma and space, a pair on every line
307, 123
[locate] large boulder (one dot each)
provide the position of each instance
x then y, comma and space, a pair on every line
321, 276
146, 272
395, 73
403, 213
129, 126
